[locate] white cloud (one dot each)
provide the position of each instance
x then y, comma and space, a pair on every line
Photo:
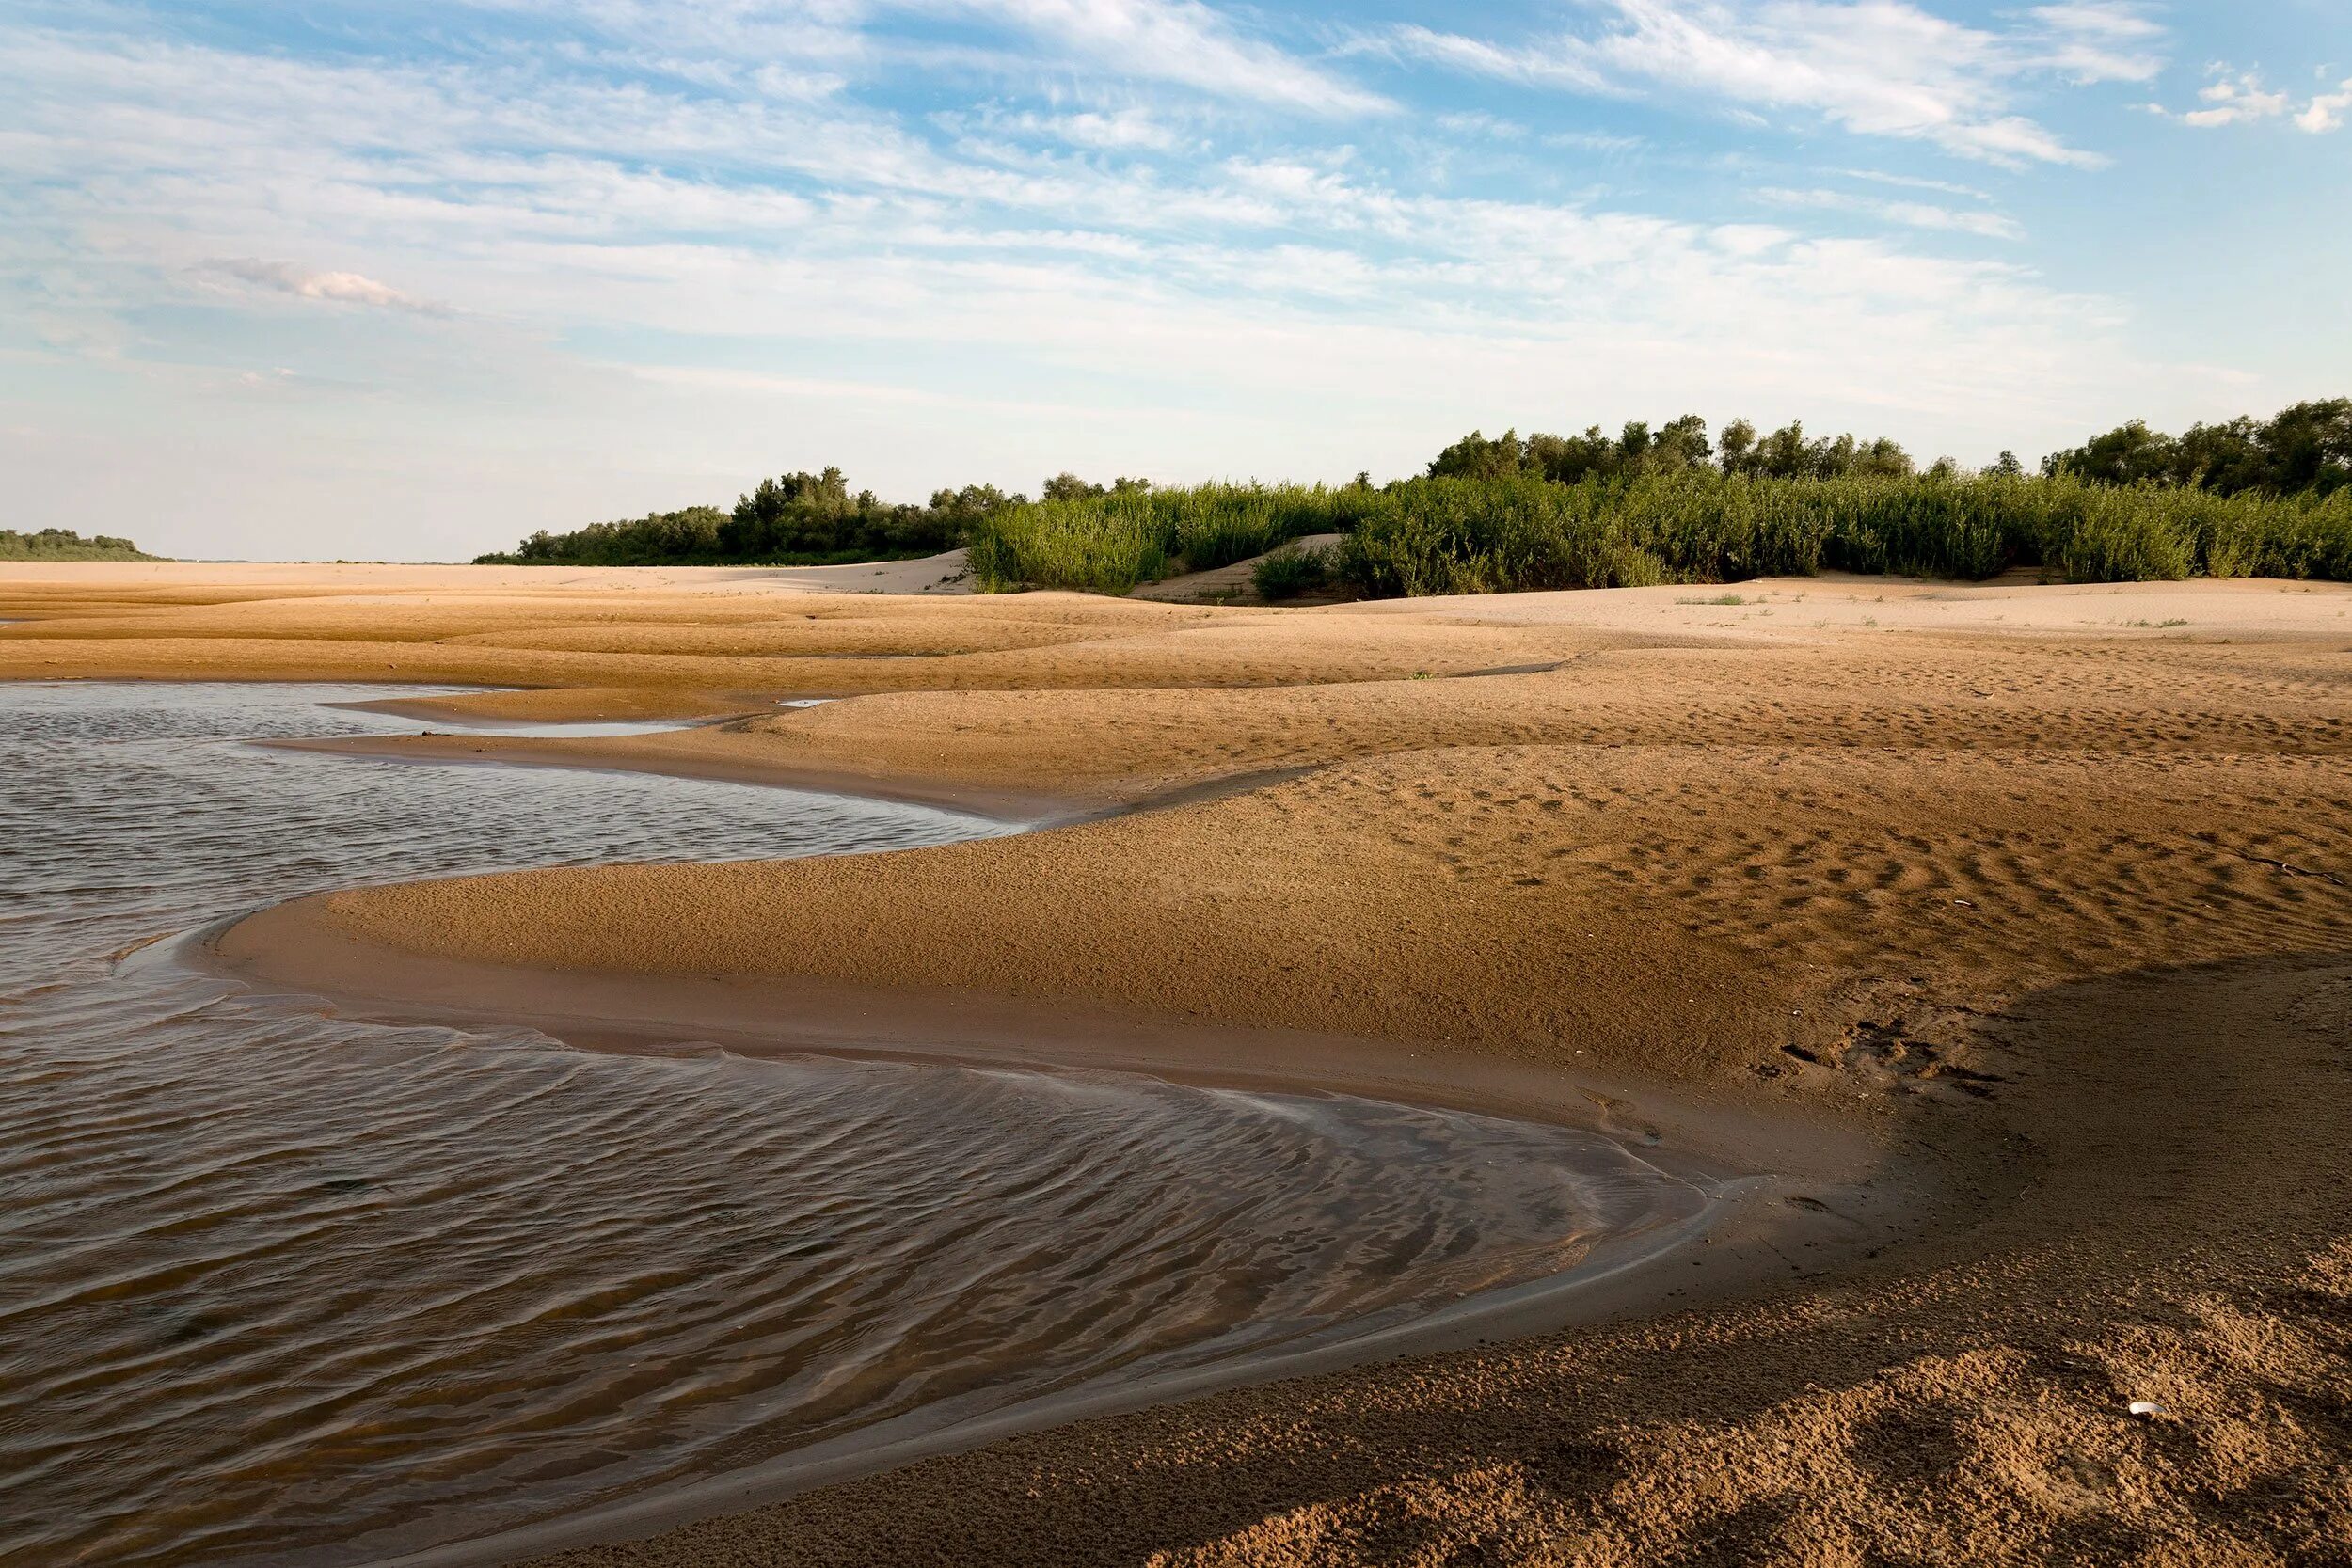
2239, 98
1915, 182
2327, 111
1913, 214
1125, 130
2098, 41
1595, 141
1534, 67
1477, 122
2236, 98
1182, 42
347, 288
1122, 130
1874, 67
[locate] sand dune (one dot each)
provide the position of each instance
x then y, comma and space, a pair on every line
2041, 893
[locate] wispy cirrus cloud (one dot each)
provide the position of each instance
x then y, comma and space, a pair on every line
1181, 41
2095, 40
1127, 129
1917, 183
1912, 214
1882, 67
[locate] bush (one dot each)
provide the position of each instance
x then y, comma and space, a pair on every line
1289, 572
1478, 536
1107, 548
1112, 542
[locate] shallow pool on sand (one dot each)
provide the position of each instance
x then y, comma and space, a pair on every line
281, 1286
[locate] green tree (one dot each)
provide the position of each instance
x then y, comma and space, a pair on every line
1784, 453
1738, 448
974, 501
1475, 457
1881, 459
1568, 459
2130, 453
1679, 444
2310, 447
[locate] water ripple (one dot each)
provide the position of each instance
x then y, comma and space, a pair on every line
277, 1287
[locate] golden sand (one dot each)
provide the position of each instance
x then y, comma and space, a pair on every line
2043, 892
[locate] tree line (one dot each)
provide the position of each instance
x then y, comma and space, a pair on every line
795, 519
1675, 447
63, 544
2303, 449
816, 519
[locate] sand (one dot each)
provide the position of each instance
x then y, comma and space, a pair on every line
2037, 895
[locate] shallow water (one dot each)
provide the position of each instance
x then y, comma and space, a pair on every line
574, 729
277, 1287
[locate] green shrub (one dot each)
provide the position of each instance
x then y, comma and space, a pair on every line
1471, 534
1291, 571
1112, 542
1475, 536
1104, 544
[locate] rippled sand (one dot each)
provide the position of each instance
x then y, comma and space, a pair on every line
278, 1287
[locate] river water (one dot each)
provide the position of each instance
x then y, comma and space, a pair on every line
277, 1287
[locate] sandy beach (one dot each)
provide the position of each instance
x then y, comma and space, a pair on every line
2007, 924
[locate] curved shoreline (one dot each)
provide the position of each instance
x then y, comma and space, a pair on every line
618, 754
1848, 1189
1850, 1198
2048, 911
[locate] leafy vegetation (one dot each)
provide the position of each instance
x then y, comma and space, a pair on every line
1648, 505
1110, 541
1675, 447
57, 544
1667, 505
2305, 448
1702, 526
800, 519
1290, 571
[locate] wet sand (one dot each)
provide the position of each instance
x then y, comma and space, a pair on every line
2040, 894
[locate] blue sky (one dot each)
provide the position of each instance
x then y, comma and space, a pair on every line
405, 281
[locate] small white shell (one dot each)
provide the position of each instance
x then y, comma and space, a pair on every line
2145, 1407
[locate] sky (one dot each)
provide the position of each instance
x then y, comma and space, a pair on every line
386, 280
